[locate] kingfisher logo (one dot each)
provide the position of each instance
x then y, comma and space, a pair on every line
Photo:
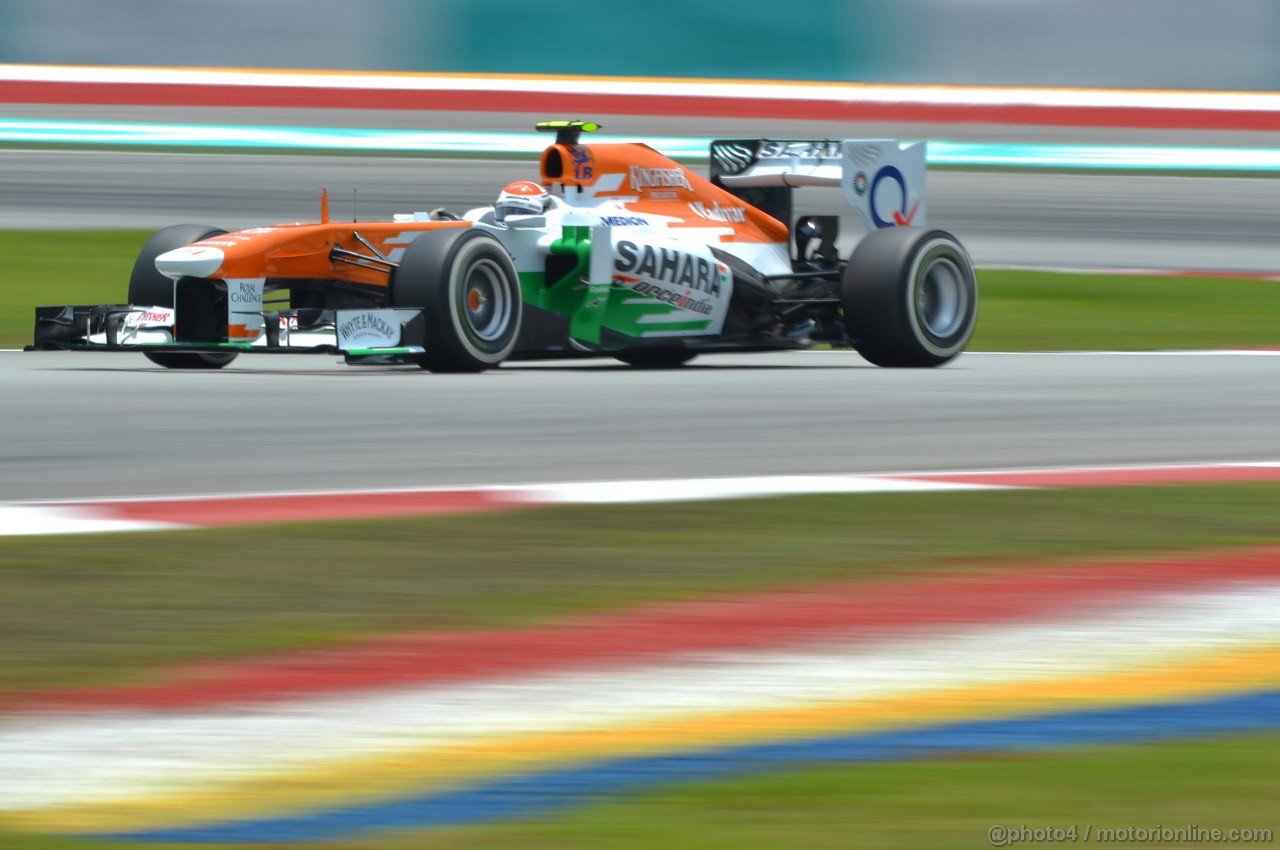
890, 208
658, 178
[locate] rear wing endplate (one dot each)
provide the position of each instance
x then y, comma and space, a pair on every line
883, 180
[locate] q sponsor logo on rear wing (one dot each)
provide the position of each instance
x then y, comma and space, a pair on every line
883, 180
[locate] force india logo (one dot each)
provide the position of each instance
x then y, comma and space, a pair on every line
684, 301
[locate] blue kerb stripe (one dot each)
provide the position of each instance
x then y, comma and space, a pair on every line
518, 144
552, 790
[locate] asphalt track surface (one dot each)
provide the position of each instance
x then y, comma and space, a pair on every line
83, 425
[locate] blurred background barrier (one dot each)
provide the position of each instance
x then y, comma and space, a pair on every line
1172, 44
1162, 158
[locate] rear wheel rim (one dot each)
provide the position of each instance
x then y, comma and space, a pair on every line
942, 299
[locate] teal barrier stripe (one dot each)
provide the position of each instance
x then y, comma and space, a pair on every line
1103, 156
940, 153
304, 138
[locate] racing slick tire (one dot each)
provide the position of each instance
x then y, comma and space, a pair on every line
660, 358
469, 292
147, 287
910, 297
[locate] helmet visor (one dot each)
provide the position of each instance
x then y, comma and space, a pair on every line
516, 205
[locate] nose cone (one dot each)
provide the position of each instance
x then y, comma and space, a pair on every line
191, 261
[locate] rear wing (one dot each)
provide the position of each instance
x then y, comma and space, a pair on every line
882, 179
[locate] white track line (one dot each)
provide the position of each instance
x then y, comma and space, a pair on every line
18, 520
81, 516
698, 489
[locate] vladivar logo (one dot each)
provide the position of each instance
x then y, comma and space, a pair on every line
715, 212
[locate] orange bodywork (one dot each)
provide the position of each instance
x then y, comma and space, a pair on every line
632, 176
659, 186
305, 250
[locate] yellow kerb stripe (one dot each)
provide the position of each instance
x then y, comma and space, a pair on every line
351, 781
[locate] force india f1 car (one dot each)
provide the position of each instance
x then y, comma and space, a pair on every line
627, 254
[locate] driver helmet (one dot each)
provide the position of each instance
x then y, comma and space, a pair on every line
524, 197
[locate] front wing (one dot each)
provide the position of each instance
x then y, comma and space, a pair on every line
383, 333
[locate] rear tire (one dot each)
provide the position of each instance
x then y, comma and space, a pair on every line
656, 358
469, 292
149, 288
910, 297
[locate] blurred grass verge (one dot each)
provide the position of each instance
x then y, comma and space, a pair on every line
1225, 782
946, 803
1050, 311
50, 267
1019, 310
109, 608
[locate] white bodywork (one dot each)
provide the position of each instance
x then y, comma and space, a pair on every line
883, 180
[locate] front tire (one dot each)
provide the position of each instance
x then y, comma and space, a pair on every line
149, 288
910, 297
469, 293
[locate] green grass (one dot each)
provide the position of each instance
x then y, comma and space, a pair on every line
1227, 782
61, 267
106, 608
1044, 311
1037, 311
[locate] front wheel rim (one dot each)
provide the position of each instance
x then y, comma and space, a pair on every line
486, 302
